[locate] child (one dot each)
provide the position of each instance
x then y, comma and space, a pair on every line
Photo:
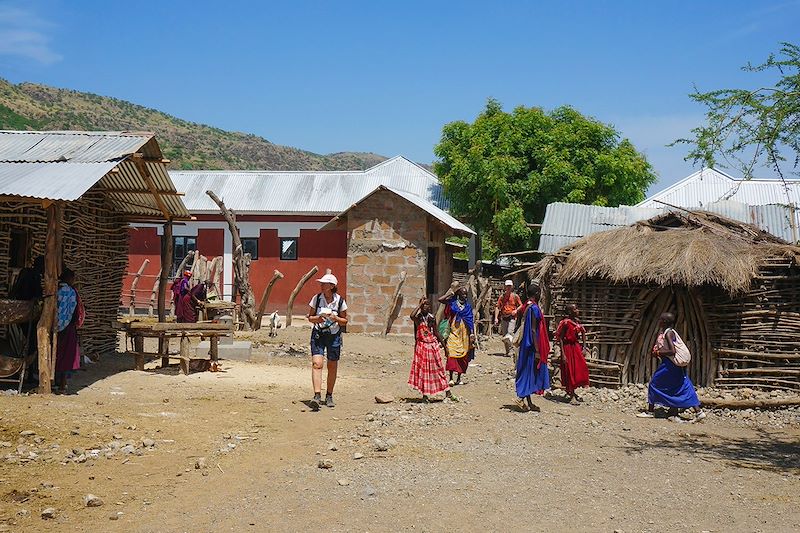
427, 371
571, 336
670, 385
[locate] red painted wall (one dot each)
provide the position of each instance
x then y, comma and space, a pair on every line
144, 243
325, 249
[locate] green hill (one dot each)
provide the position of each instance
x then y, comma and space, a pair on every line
188, 145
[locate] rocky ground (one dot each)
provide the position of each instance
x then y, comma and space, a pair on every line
239, 449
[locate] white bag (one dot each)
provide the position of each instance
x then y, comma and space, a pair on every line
682, 355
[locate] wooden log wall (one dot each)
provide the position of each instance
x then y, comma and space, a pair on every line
757, 335
95, 247
752, 340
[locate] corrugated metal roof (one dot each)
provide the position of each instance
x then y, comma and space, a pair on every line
65, 165
314, 193
69, 146
566, 223
458, 227
709, 185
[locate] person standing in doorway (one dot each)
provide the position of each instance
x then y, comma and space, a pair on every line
505, 315
327, 311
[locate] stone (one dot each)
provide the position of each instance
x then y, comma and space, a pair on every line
379, 445
325, 464
128, 449
47, 485
384, 398
333, 448
90, 500
357, 456
200, 463
391, 442
49, 513
116, 516
369, 491
27, 433
343, 482
148, 443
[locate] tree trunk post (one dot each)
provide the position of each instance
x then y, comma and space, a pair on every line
241, 265
276, 275
393, 304
166, 265
295, 292
52, 268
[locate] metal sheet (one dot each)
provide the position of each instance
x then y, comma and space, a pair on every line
313, 193
73, 146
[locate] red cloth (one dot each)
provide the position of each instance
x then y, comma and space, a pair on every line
457, 364
574, 371
68, 356
427, 371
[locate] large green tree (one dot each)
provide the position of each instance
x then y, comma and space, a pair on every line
751, 128
502, 170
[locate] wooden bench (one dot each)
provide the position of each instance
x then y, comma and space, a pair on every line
138, 331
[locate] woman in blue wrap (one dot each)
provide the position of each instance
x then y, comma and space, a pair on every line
670, 385
533, 376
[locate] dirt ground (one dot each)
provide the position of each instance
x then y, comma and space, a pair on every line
240, 451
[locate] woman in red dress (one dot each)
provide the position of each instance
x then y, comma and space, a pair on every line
571, 335
427, 371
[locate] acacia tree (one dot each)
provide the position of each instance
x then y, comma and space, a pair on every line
748, 128
502, 170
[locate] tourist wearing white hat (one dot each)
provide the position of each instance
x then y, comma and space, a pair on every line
508, 308
328, 312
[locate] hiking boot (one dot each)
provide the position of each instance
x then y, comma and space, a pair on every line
329, 400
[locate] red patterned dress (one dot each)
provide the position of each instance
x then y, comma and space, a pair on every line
574, 372
427, 371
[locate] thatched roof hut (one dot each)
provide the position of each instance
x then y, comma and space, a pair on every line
734, 288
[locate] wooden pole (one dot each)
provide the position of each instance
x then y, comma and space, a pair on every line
295, 292
276, 275
241, 265
134, 284
167, 253
52, 266
154, 294
388, 322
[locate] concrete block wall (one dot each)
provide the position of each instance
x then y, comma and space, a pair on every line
387, 235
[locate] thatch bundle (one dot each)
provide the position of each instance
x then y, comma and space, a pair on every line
696, 249
735, 291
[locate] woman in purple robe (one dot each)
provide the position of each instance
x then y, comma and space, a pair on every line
533, 375
70, 318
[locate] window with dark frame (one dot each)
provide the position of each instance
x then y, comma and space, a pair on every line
250, 246
181, 246
288, 248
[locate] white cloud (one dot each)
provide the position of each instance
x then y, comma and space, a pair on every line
24, 34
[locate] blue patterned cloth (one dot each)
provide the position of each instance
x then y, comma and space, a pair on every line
67, 302
670, 386
532, 378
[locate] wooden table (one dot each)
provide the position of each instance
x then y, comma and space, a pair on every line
164, 332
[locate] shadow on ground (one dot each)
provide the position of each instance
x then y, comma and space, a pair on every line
764, 451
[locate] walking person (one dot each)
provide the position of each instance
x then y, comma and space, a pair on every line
427, 370
328, 312
505, 314
571, 336
670, 385
461, 337
533, 376
70, 314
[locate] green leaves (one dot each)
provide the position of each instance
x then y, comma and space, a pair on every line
503, 169
747, 129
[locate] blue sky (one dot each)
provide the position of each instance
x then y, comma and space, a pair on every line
385, 76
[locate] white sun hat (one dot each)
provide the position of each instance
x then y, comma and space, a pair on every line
509, 283
329, 278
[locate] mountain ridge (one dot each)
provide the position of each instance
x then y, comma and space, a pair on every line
188, 145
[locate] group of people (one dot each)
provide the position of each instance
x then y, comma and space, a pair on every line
443, 349
188, 299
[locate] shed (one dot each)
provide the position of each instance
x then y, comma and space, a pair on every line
69, 196
396, 253
734, 288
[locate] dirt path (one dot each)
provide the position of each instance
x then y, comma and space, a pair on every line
473, 465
